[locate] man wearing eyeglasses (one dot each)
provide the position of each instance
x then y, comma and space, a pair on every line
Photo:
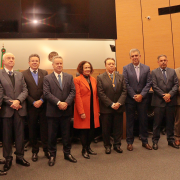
138, 80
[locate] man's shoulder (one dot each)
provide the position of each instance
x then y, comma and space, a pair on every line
43, 71
68, 75
128, 65
101, 75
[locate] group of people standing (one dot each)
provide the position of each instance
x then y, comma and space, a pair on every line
51, 98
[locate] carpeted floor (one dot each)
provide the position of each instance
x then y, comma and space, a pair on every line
140, 164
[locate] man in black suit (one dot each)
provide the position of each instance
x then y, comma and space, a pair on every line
112, 93
36, 106
59, 91
164, 100
138, 80
13, 109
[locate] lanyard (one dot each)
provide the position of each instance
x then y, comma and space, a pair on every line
112, 79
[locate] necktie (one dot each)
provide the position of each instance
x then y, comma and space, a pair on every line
34, 72
137, 72
10, 73
111, 75
59, 79
164, 74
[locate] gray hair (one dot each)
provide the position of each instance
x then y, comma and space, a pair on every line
162, 55
134, 50
55, 57
4, 55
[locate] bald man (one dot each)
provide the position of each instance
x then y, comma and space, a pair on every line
13, 109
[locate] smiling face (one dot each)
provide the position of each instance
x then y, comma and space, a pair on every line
9, 61
110, 66
135, 57
162, 61
34, 63
86, 69
57, 65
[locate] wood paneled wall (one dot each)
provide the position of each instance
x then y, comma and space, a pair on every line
159, 35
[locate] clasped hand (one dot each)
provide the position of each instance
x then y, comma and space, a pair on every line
15, 104
115, 106
138, 97
63, 105
167, 97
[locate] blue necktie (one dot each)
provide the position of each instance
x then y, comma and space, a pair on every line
10, 73
164, 74
59, 79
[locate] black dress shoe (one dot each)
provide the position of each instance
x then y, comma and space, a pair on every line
147, 146
51, 161
2, 173
118, 149
22, 162
70, 158
173, 144
108, 150
34, 157
47, 154
2, 161
7, 164
85, 154
155, 146
90, 151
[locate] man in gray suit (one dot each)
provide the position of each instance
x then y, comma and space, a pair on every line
112, 93
13, 110
165, 87
138, 80
36, 106
59, 91
177, 114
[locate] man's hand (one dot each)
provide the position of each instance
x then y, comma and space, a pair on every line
138, 97
63, 105
38, 103
15, 104
167, 97
115, 106
83, 116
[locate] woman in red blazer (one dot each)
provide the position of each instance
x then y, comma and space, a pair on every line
86, 109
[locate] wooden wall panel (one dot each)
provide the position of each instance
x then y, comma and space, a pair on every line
157, 33
176, 33
129, 31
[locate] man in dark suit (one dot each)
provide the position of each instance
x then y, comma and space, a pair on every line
165, 87
36, 106
138, 80
59, 91
13, 110
112, 94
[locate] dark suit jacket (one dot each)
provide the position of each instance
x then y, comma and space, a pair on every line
35, 92
161, 87
133, 86
53, 93
9, 92
107, 94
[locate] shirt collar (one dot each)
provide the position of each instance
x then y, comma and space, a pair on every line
8, 70
56, 74
33, 70
137, 65
162, 69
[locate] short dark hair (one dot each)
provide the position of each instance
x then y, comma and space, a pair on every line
34, 55
80, 67
108, 59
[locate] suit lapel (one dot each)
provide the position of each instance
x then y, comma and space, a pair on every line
55, 80
108, 80
84, 81
7, 77
141, 71
167, 74
132, 69
40, 75
161, 75
64, 80
31, 77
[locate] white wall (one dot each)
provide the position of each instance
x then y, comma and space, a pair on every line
72, 51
